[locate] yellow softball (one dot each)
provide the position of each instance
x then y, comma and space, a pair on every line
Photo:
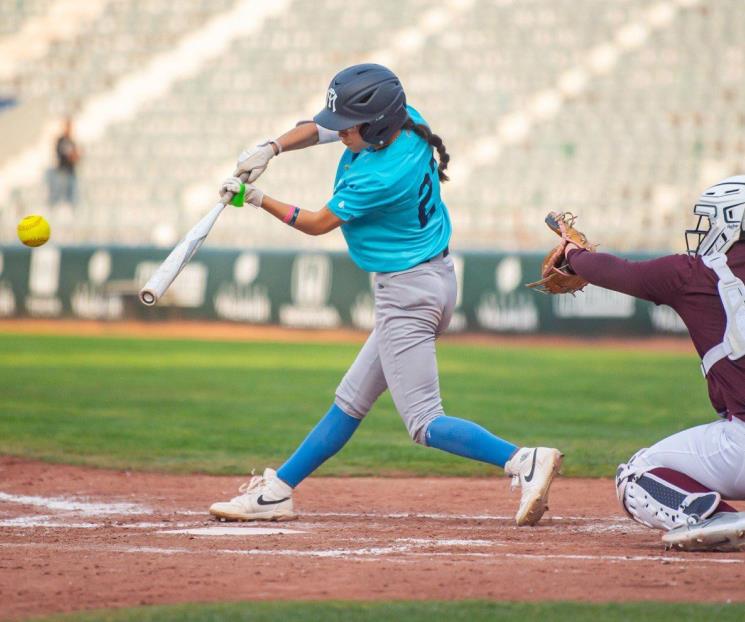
33, 230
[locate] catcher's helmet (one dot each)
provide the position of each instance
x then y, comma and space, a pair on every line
723, 206
369, 95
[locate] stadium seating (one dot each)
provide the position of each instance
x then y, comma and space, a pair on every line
627, 144
14, 13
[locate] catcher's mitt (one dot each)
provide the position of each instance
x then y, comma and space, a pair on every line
557, 275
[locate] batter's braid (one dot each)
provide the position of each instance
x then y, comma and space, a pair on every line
433, 139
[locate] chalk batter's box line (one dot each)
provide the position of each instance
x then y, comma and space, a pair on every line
376, 553
110, 508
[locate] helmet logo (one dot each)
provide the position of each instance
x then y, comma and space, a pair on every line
331, 100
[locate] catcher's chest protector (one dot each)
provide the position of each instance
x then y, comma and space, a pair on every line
732, 293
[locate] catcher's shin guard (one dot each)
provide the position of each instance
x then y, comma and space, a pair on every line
657, 503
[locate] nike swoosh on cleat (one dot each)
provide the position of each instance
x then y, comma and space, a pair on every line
529, 476
262, 501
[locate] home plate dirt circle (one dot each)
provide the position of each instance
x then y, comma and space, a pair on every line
74, 538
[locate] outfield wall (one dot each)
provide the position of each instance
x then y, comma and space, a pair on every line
302, 289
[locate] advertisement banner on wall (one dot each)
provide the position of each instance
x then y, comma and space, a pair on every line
304, 290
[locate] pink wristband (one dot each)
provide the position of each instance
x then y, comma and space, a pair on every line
289, 216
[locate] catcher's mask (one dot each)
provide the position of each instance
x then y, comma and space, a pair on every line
368, 95
720, 210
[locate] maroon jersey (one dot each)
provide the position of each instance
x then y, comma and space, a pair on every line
689, 287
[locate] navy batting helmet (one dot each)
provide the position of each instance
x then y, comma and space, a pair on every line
369, 95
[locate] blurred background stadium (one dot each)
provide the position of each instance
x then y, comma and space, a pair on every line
620, 110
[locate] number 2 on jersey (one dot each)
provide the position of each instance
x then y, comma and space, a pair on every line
425, 195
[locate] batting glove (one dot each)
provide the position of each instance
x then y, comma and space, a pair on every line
242, 193
254, 161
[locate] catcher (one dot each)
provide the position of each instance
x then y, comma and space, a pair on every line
678, 485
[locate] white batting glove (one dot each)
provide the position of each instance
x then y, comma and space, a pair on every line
254, 161
242, 193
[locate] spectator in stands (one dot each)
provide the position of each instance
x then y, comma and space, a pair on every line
63, 184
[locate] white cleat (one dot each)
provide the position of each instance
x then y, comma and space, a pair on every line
724, 531
533, 469
263, 498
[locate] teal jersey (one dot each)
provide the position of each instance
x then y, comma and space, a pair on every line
389, 200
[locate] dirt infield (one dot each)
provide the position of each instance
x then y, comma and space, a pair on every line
229, 331
75, 538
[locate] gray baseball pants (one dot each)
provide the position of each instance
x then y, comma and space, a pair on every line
412, 308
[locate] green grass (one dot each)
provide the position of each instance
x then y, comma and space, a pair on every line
461, 611
226, 407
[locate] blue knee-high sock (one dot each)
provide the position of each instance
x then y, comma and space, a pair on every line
323, 441
468, 439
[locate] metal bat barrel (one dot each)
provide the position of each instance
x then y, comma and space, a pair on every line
167, 272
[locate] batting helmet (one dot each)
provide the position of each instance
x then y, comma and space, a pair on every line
723, 206
369, 95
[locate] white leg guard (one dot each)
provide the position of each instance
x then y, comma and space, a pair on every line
656, 503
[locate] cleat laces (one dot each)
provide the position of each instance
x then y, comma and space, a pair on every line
256, 482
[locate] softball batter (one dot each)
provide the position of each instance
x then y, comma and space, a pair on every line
387, 202
678, 484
